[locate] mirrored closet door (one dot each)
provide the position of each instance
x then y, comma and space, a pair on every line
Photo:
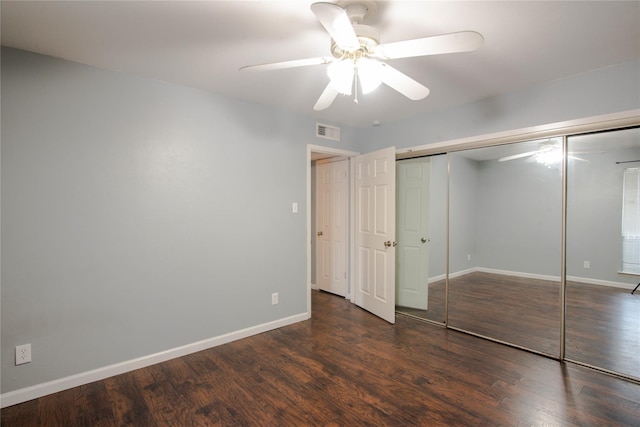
603, 251
505, 219
480, 234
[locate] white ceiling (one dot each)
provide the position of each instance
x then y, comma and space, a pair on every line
203, 44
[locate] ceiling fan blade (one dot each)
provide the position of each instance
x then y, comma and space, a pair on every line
326, 99
464, 41
335, 20
402, 83
286, 64
516, 156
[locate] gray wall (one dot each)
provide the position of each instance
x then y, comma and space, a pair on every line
139, 216
594, 213
519, 217
463, 203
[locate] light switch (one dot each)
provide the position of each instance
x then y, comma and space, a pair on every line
294, 207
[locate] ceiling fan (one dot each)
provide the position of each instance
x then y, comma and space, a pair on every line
357, 55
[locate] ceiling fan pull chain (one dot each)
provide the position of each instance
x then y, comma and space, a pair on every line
355, 80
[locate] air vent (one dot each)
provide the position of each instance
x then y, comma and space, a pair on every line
327, 132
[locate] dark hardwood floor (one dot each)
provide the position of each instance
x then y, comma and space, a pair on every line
602, 323
346, 367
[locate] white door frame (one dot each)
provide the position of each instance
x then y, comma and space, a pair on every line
336, 152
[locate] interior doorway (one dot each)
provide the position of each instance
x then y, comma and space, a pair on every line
317, 153
371, 228
331, 225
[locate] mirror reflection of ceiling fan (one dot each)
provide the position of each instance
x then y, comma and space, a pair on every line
548, 154
357, 61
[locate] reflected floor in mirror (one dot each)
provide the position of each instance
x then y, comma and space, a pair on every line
603, 323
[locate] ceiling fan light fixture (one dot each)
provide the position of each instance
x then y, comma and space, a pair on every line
369, 74
341, 75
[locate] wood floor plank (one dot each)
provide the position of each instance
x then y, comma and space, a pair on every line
270, 388
345, 366
233, 399
57, 409
127, 399
92, 407
165, 404
196, 394
23, 415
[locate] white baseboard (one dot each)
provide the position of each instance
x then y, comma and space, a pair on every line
39, 390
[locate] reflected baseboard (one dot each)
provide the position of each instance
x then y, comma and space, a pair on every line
525, 275
599, 282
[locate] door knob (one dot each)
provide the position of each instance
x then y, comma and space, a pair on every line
388, 244
320, 233
425, 240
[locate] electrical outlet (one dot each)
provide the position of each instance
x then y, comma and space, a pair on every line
23, 354
274, 298
587, 264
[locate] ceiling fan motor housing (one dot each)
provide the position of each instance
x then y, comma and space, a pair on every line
368, 37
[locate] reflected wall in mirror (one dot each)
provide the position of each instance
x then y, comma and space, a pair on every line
421, 221
603, 251
505, 243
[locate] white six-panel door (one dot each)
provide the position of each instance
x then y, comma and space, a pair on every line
412, 257
332, 203
375, 201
